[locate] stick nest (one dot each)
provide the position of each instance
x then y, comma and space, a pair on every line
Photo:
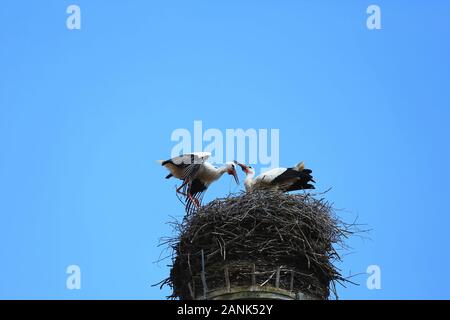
253, 236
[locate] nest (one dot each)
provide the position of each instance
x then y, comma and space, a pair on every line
258, 238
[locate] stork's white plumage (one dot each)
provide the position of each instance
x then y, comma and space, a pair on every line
283, 179
197, 174
183, 166
206, 175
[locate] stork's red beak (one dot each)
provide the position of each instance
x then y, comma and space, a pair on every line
233, 172
236, 178
243, 166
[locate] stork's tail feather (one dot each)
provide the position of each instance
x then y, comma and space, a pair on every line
164, 162
161, 162
306, 179
300, 167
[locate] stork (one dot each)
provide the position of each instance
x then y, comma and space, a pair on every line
185, 166
206, 175
196, 173
282, 179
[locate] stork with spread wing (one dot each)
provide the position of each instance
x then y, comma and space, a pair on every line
197, 175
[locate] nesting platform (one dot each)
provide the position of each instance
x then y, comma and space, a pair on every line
263, 244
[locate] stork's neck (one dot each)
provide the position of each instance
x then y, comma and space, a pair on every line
221, 170
212, 173
248, 182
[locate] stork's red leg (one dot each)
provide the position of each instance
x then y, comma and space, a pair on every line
178, 190
194, 200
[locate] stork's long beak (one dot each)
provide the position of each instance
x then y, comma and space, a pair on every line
243, 166
236, 178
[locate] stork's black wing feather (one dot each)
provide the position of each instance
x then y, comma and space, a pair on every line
189, 162
191, 170
196, 186
300, 185
196, 189
289, 173
301, 179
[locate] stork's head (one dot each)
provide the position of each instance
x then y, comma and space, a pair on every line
231, 170
247, 169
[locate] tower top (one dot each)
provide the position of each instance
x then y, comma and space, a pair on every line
258, 245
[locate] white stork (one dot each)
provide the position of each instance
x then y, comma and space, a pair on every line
206, 175
186, 165
197, 174
282, 179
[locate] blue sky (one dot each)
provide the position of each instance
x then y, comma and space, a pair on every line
85, 113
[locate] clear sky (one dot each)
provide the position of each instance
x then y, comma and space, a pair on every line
85, 113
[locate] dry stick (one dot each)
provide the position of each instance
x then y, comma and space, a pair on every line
192, 276
291, 286
227, 279
220, 245
262, 284
277, 279
191, 291
189, 263
203, 276
253, 274
195, 234
224, 249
